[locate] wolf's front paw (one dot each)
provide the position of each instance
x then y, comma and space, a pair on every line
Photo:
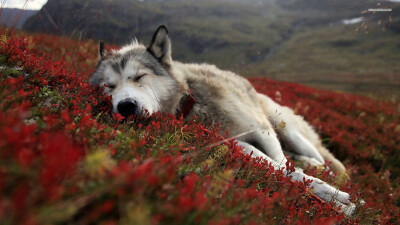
328, 193
331, 194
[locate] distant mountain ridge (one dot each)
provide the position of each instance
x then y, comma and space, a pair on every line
9, 17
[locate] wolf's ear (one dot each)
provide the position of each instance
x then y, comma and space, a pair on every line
160, 46
102, 51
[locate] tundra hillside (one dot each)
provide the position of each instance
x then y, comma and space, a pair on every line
253, 37
64, 160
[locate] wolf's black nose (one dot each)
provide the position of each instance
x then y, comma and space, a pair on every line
127, 108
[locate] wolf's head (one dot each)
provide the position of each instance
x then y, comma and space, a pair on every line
137, 77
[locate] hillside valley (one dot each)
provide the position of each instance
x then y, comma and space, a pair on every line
303, 41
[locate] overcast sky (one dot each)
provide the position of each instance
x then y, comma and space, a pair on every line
32, 4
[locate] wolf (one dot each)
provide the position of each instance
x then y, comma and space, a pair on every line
144, 79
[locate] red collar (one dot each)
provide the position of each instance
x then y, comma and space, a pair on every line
186, 104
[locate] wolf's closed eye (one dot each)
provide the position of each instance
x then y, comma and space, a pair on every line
111, 86
139, 77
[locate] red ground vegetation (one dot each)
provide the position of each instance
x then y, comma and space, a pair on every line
63, 159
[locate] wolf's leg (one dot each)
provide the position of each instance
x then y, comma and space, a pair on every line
318, 187
291, 129
306, 161
268, 142
307, 143
298, 143
300, 137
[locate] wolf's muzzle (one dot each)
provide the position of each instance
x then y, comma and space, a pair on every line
127, 107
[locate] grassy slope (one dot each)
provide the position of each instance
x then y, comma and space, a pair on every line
338, 58
160, 173
64, 160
